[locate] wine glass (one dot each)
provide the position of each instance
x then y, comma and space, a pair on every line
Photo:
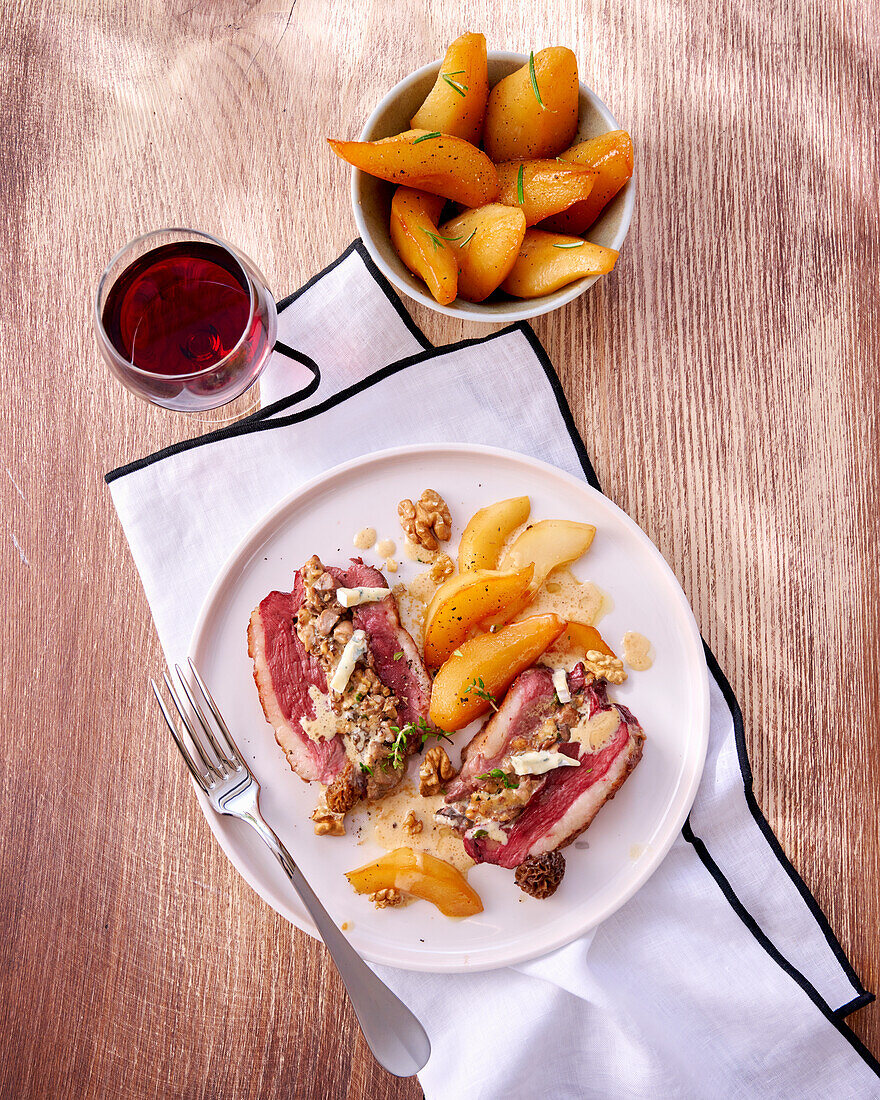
185, 320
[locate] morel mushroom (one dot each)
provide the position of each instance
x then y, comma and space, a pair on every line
538, 876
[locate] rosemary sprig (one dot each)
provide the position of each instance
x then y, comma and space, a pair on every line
534, 79
464, 244
502, 777
520, 196
479, 689
570, 244
437, 241
427, 137
366, 769
454, 84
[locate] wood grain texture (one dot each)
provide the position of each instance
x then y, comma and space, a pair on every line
725, 378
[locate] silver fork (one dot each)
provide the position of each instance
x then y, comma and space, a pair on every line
393, 1033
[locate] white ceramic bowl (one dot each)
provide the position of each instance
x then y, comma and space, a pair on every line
371, 197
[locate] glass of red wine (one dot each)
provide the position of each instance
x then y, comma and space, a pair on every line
184, 320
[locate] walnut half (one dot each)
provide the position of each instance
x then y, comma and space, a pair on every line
427, 523
539, 876
604, 667
434, 771
383, 899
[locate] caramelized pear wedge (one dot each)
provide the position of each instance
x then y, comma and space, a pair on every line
486, 243
548, 544
417, 241
479, 672
422, 875
549, 261
488, 530
611, 157
543, 187
443, 165
584, 639
457, 103
534, 111
463, 602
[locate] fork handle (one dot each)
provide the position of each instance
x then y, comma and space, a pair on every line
392, 1032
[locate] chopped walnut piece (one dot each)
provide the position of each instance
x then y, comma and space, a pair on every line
342, 793
435, 770
604, 667
382, 899
442, 568
538, 876
328, 824
412, 823
327, 821
427, 523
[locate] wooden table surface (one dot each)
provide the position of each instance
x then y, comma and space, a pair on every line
725, 378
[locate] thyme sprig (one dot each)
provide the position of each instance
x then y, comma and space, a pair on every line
503, 778
534, 78
454, 84
402, 734
479, 689
428, 732
398, 746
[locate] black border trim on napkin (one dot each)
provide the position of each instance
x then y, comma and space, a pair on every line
265, 419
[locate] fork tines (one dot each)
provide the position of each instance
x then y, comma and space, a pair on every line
220, 757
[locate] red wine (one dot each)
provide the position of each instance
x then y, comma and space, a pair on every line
178, 309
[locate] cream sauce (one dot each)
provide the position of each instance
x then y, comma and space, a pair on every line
569, 598
324, 725
365, 538
593, 732
412, 602
492, 830
564, 595
416, 552
384, 825
423, 586
385, 548
637, 651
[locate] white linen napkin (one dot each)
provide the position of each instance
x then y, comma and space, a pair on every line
721, 976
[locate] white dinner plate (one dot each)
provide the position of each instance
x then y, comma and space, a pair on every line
631, 834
